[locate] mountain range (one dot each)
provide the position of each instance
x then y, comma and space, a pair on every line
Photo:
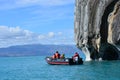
37, 50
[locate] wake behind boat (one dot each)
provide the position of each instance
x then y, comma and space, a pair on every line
65, 61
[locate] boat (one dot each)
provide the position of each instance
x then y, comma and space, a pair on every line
65, 61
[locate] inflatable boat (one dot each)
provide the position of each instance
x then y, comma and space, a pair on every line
65, 61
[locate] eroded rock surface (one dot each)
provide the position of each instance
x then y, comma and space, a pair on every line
97, 28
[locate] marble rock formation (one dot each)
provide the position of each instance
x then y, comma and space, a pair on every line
97, 28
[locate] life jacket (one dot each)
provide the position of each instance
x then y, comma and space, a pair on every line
54, 56
57, 55
76, 55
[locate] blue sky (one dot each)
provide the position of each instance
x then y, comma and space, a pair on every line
36, 22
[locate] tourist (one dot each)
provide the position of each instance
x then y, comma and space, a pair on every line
57, 55
62, 56
76, 57
54, 56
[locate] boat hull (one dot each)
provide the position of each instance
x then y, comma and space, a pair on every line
66, 61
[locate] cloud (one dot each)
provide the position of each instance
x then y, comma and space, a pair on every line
13, 32
16, 36
12, 4
59, 33
41, 37
51, 34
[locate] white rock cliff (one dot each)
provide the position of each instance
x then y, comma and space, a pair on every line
97, 28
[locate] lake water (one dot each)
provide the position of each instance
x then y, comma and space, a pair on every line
35, 68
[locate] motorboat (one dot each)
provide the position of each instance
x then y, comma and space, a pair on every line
65, 61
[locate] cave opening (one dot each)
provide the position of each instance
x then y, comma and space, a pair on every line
108, 53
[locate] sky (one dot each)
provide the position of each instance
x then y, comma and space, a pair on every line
36, 22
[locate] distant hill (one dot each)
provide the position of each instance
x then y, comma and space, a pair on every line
37, 50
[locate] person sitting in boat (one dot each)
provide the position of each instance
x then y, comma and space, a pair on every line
62, 56
54, 56
76, 57
57, 55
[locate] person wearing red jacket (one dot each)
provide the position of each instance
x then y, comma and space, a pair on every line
54, 56
57, 55
76, 57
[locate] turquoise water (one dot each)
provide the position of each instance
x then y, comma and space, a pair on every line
35, 68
